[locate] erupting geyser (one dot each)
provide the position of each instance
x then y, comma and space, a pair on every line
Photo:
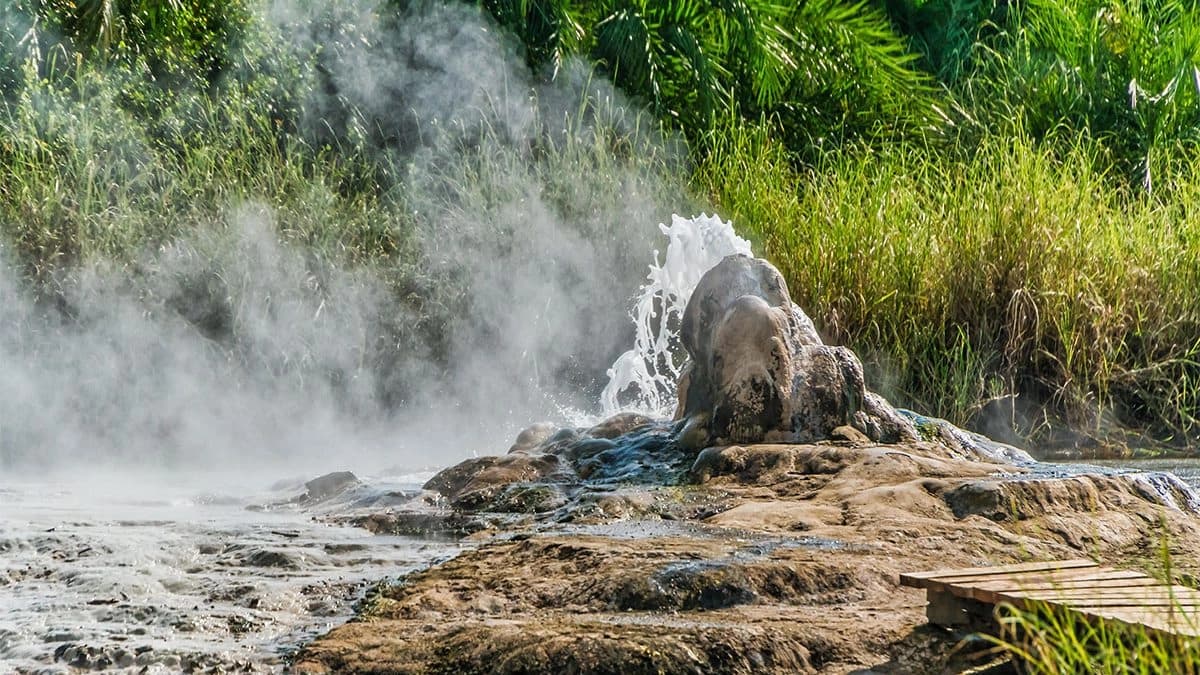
723, 350
752, 367
643, 378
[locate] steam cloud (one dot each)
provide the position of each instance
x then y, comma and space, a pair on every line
231, 348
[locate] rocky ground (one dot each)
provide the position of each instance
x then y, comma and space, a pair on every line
763, 530
759, 558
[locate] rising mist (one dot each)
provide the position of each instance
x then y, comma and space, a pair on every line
532, 203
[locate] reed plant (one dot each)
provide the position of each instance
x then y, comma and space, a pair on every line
1051, 640
1021, 272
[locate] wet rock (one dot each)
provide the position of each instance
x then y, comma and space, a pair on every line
145, 656
240, 625
64, 652
122, 658
236, 592
719, 584
967, 444
606, 581
475, 484
543, 477
849, 434
618, 425
646, 455
270, 558
527, 498
588, 448
580, 646
452, 480
559, 439
533, 436
758, 371
985, 499
689, 585
603, 506
756, 463
329, 485
424, 524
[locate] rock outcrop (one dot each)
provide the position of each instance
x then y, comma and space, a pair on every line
770, 558
761, 531
758, 371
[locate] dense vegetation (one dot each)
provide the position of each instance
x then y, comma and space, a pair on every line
993, 202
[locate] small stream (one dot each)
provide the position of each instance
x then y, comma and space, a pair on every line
136, 574
1188, 469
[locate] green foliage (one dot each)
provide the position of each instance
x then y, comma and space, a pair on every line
1122, 72
688, 58
825, 68
988, 200
88, 178
855, 80
177, 39
1018, 273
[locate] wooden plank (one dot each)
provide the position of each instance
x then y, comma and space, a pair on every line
1077, 576
1118, 601
1076, 597
918, 579
1116, 609
984, 591
1084, 598
1109, 579
1178, 623
1011, 576
1175, 620
1182, 592
1080, 586
1186, 606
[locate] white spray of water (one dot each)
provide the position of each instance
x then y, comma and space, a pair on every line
643, 378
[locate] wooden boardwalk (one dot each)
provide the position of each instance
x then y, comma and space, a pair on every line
960, 597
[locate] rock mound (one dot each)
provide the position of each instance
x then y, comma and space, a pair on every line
758, 371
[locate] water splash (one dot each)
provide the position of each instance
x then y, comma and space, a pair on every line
643, 378
1169, 490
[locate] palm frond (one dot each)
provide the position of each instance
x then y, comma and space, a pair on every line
623, 44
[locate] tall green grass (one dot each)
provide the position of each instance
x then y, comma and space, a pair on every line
86, 178
1051, 640
100, 170
1020, 272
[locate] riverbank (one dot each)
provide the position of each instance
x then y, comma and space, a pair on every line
762, 558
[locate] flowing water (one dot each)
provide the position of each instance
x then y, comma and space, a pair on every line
643, 378
145, 575
1187, 469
